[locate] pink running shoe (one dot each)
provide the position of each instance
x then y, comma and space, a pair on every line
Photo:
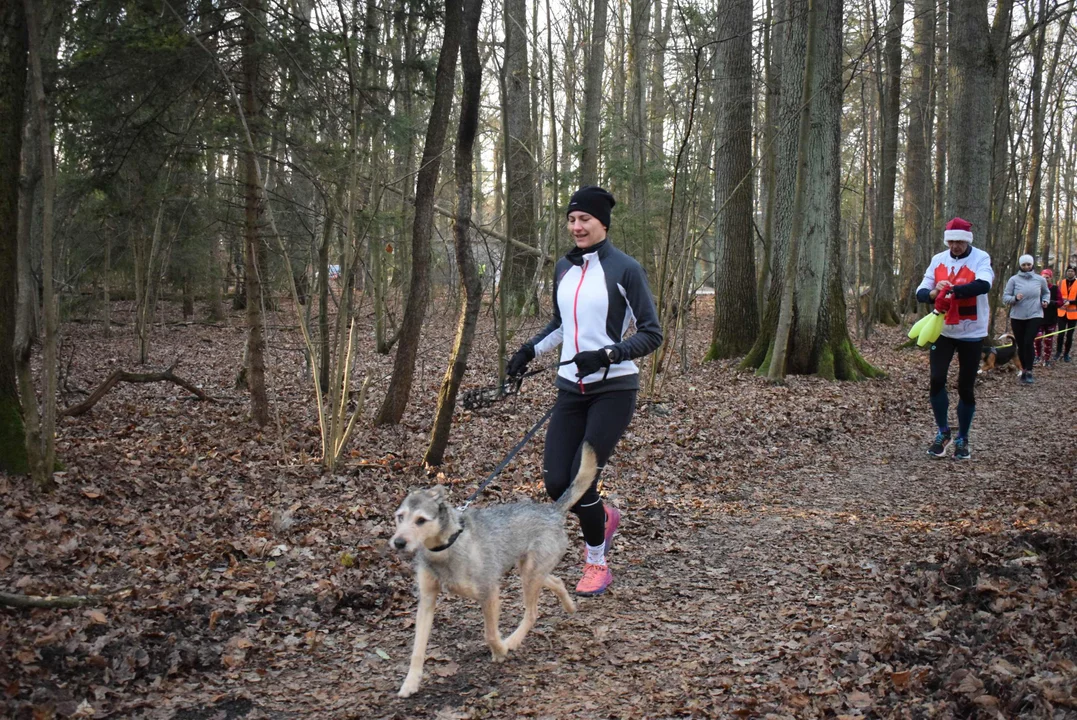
613, 519
595, 580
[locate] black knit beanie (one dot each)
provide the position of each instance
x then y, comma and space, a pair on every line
594, 201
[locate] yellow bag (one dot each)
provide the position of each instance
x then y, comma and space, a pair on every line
930, 332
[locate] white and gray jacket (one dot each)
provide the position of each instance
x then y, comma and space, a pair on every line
598, 292
1034, 290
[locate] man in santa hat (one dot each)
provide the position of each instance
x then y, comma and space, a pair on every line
957, 281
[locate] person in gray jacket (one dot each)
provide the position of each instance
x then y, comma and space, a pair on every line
1027, 295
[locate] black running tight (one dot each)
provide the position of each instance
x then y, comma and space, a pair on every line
1024, 336
600, 419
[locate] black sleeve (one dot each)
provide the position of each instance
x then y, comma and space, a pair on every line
923, 295
972, 289
648, 336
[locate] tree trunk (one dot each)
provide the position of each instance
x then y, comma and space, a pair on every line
882, 283
45, 433
918, 197
252, 227
818, 337
1035, 160
639, 22
216, 257
736, 317
396, 396
323, 300
519, 267
768, 182
1044, 249
940, 101
13, 56
592, 95
972, 65
465, 260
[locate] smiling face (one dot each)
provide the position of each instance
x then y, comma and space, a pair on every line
586, 230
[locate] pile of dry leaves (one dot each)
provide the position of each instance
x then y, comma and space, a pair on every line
787, 551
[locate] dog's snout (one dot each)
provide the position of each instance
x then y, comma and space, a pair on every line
399, 543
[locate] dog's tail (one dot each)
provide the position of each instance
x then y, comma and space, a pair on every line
584, 477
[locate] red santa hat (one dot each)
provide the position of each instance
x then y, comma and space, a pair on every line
958, 229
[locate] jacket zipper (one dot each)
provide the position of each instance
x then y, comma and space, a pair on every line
575, 322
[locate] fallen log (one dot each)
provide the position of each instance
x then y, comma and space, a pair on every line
125, 376
16, 600
46, 601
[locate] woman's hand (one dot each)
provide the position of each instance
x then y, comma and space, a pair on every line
1019, 296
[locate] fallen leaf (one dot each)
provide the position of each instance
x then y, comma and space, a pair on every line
859, 700
445, 669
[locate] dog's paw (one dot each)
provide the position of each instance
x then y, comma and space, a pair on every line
499, 655
409, 688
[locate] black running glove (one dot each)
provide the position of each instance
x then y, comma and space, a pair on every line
590, 361
517, 364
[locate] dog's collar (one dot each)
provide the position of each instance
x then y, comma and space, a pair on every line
449, 543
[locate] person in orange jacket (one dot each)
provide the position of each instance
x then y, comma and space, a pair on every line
1067, 314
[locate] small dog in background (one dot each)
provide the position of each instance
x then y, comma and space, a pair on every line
467, 554
1005, 353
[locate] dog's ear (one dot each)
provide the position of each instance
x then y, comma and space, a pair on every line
439, 492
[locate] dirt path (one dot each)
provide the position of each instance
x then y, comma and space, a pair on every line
774, 594
786, 552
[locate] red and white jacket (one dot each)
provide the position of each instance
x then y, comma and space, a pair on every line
972, 312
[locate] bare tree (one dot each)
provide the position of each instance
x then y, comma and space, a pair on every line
736, 317
972, 65
592, 95
252, 232
889, 93
396, 396
13, 50
808, 256
519, 267
918, 196
465, 259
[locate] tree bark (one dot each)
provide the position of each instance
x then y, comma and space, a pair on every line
518, 268
818, 337
592, 95
13, 59
465, 260
736, 316
918, 197
396, 396
252, 228
882, 284
45, 433
972, 63
1035, 160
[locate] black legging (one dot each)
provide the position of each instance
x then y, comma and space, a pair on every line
1066, 337
600, 419
968, 362
1024, 337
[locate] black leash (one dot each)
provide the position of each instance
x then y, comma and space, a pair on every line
508, 458
484, 398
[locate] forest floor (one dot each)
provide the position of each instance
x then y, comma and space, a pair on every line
786, 552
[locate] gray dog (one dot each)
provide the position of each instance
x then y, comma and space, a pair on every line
468, 554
